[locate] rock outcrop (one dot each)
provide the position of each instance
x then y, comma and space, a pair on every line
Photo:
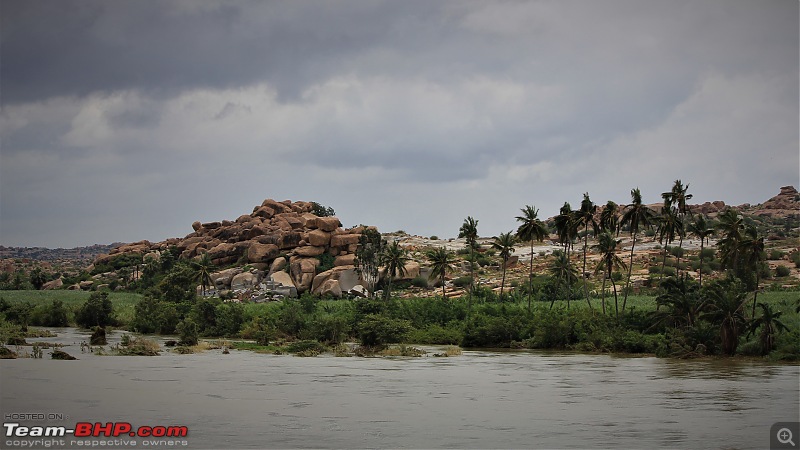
276, 236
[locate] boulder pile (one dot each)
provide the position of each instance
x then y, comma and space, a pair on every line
283, 241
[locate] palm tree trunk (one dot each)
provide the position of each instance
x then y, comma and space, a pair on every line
604, 291
616, 305
755, 294
530, 280
444, 297
678, 257
663, 264
503, 282
583, 275
627, 283
700, 270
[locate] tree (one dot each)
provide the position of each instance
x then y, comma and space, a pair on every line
562, 269
565, 224
607, 247
370, 247
531, 229
38, 278
700, 227
321, 211
677, 198
394, 258
505, 245
725, 308
441, 262
585, 217
752, 250
203, 268
669, 225
683, 302
637, 216
770, 325
96, 312
731, 230
469, 231
609, 218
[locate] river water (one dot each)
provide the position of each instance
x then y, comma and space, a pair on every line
481, 399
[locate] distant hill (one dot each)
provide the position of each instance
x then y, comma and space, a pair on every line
88, 253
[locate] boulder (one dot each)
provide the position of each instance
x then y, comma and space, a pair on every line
257, 253
343, 240
302, 271
347, 259
55, 284
196, 225
264, 211
359, 291
222, 279
74, 287
245, 280
277, 264
309, 250
282, 278
84, 285
328, 223
319, 238
412, 271
309, 221
331, 288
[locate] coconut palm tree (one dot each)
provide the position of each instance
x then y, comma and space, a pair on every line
441, 262
683, 302
677, 198
752, 250
585, 217
725, 307
731, 230
505, 245
700, 227
770, 325
609, 218
637, 216
564, 226
203, 268
668, 226
562, 269
394, 258
531, 229
607, 247
469, 231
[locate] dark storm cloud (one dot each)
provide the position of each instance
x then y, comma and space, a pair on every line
181, 110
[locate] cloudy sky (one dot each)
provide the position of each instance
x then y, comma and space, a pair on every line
127, 120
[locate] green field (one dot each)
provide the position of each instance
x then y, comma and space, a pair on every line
123, 302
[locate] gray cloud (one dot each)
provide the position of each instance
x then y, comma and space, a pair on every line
129, 120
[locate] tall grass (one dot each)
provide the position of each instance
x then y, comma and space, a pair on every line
124, 302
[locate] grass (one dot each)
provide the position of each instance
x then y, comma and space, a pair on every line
124, 302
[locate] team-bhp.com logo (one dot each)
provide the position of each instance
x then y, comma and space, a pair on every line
97, 429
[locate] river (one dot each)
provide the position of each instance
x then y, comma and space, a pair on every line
481, 399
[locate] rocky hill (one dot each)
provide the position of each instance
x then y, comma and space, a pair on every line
282, 242
55, 254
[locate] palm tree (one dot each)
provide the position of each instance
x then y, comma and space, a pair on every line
585, 217
441, 262
703, 230
609, 218
731, 228
770, 325
203, 268
725, 307
681, 296
607, 247
505, 245
531, 229
469, 231
752, 249
636, 216
668, 227
677, 198
564, 226
562, 269
394, 258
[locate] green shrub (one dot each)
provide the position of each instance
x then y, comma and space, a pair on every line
187, 330
782, 271
776, 254
420, 282
307, 347
462, 281
381, 330
96, 312
435, 334
676, 252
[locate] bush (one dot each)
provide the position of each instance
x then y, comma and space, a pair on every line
462, 281
420, 282
381, 330
187, 330
707, 254
776, 254
259, 329
676, 251
782, 271
96, 312
795, 258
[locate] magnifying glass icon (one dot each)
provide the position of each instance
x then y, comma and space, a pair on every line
785, 436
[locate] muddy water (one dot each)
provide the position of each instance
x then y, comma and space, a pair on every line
481, 399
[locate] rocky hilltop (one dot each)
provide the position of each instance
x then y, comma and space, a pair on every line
281, 243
